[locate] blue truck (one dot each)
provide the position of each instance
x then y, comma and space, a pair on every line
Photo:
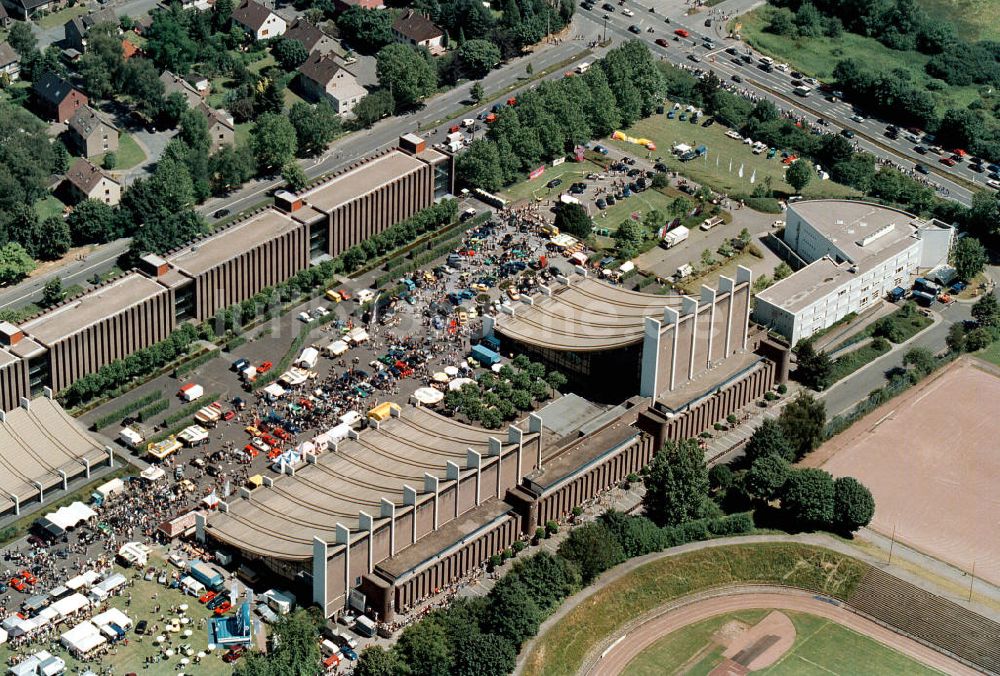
208, 576
897, 294
485, 355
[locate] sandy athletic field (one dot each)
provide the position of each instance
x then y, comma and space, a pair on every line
635, 642
931, 458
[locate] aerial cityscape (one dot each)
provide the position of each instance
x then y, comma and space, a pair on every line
489, 337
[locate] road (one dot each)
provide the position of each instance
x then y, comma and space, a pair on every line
695, 610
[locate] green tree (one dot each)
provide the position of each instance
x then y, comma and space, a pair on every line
405, 73
92, 222
888, 329
140, 80
511, 613
956, 337
781, 271
168, 42
802, 420
295, 650
52, 292
637, 535
573, 218
767, 440
372, 108
767, 476
799, 174
808, 497
477, 93
593, 550
479, 166
425, 649
110, 160
478, 57
315, 126
22, 39
15, 263
273, 141
485, 655
293, 176
986, 311
547, 579
813, 368
921, 359
676, 484
290, 54
369, 30
174, 105
50, 239
377, 661
230, 167
853, 504
969, 257
556, 380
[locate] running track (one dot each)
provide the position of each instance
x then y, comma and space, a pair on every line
673, 617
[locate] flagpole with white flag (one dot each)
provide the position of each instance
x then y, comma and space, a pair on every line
741, 171
753, 176
730, 165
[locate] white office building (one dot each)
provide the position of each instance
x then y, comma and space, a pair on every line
856, 253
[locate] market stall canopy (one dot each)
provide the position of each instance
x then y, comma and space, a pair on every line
428, 396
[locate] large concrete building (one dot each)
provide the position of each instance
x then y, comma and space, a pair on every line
855, 253
266, 248
378, 519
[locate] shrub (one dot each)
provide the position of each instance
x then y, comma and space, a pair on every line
593, 549
551, 528
518, 546
577, 511
540, 533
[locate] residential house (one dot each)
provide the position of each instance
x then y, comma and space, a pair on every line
4, 17
221, 128
25, 9
311, 37
84, 180
76, 29
258, 20
92, 133
414, 28
130, 49
176, 84
321, 77
10, 61
57, 99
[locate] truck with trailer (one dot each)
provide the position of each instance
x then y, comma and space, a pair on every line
193, 436
485, 355
205, 574
923, 298
208, 416
927, 286
675, 237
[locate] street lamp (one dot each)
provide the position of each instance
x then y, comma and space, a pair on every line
605, 28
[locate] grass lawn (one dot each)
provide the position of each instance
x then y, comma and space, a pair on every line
561, 649
639, 203
907, 320
129, 154
713, 170
854, 360
243, 133
145, 595
821, 647
975, 19
991, 353
569, 172
818, 56
49, 206
62, 16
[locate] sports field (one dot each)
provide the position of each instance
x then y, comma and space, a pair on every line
930, 458
820, 646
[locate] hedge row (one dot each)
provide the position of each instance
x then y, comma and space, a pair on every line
192, 364
189, 410
293, 350
146, 414
118, 414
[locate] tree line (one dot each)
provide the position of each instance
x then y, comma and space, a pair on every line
551, 120
495, 398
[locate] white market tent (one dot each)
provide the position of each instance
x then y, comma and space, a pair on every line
428, 396
293, 377
83, 638
83, 580
65, 607
152, 473
451, 371
440, 377
16, 626
112, 615
43, 662
134, 553
3, 636
357, 336
104, 588
45, 617
459, 383
337, 348
71, 515
274, 390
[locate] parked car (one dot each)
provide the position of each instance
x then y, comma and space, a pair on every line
554, 183
221, 213
662, 42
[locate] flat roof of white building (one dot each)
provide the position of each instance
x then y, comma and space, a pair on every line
812, 282
859, 229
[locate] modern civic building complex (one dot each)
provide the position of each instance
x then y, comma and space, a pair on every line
855, 253
110, 322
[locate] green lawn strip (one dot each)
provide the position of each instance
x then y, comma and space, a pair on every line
991, 353
562, 648
48, 206
818, 56
56, 19
908, 322
569, 172
129, 154
670, 653
714, 170
852, 361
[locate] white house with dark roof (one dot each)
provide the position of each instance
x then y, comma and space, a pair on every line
10, 61
84, 180
321, 77
258, 20
414, 28
310, 37
91, 132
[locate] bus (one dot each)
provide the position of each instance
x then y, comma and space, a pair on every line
802, 91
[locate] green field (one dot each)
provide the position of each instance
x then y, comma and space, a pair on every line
59, 18
713, 170
991, 353
821, 647
48, 206
818, 56
975, 19
130, 658
562, 648
129, 154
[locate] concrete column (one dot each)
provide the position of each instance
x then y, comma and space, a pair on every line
86, 468
343, 535
41, 491
473, 459
744, 274
516, 436
454, 474
389, 512
672, 317
17, 504
496, 449
690, 307
366, 522
410, 498
650, 358
489, 323
319, 574
535, 425
199, 526
433, 485
65, 481
708, 297
47, 392
727, 285
111, 456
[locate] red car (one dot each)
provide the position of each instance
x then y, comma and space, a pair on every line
344, 294
265, 367
947, 161
222, 608
681, 32
662, 42
233, 654
17, 583
28, 577
959, 152
229, 415
207, 596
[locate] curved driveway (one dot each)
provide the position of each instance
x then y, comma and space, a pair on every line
616, 654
